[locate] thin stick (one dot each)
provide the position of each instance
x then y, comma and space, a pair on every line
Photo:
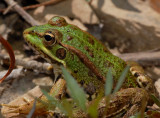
38, 5
42, 4
23, 13
34, 65
148, 58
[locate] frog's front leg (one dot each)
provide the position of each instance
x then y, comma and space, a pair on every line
57, 91
124, 103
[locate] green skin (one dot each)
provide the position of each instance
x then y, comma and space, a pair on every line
89, 61
71, 35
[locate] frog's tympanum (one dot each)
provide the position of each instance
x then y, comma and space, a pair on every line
88, 61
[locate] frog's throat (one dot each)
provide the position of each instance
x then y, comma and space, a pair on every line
85, 60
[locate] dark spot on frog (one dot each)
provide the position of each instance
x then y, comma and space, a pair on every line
107, 64
75, 71
61, 53
90, 89
91, 41
110, 64
145, 84
90, 73
32, 31
82, 82
72, 56
91, 54
69, 38
86, 48
68, 31
105, 50
136, 74
89, 51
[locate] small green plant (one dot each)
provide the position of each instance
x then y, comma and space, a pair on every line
155, 99
79, 97
76, 92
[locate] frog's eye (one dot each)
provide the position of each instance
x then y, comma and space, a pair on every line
49, 39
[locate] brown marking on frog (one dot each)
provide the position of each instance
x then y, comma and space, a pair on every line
72, 56
90, 89
82, 82
105, 50
90, 73
61, 53
108, 64
75, 71
91, 41
105, 65
69, 38
85, 60
86, 48
89, 51
91, 54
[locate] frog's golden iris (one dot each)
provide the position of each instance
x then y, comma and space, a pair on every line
50, 39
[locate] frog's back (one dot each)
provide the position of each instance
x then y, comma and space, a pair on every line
84, 56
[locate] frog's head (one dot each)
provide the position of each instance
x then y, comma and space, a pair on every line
46, 38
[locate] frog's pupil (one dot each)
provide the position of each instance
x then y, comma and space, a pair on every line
48, 37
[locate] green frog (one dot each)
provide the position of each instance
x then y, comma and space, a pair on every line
88, 61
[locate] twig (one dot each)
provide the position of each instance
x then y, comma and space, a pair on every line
42, 4
12, 4
34, 65
148, 58
16, 73
23, 13
30, 65
37, 5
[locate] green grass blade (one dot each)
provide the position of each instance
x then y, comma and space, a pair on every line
32, 110
92, 109
121, 79
155, 99
109, 83
75, 90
